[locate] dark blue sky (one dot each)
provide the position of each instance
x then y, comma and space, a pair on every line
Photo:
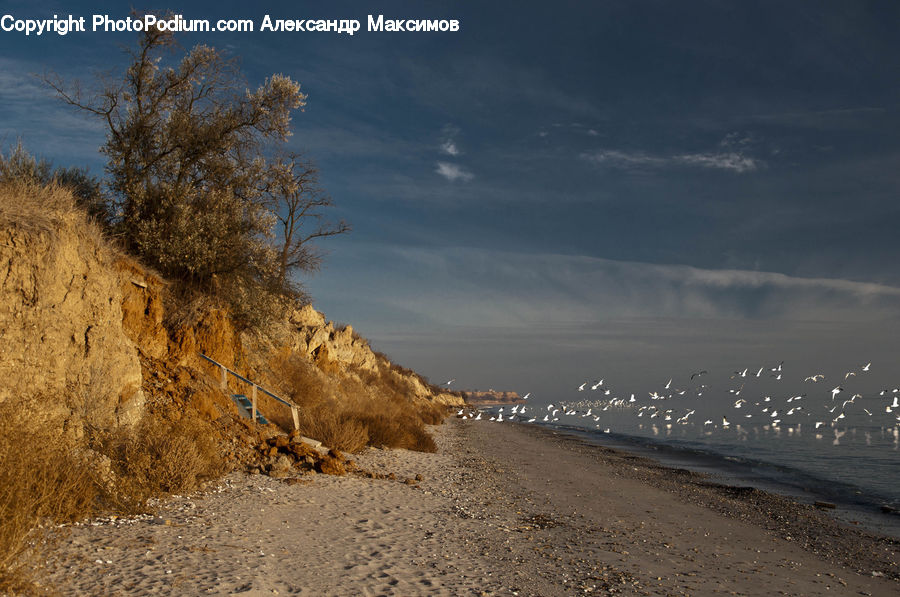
554, 171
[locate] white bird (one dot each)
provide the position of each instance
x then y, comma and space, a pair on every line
581, 387
725, 422
866, 366
597, 385
525, 397
447, 383
758, 373
835, 391
848, 374
669, 383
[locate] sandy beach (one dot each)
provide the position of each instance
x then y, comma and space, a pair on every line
499, 510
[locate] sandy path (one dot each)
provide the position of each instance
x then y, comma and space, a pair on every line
499, 511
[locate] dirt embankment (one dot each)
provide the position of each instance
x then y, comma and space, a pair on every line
85, 339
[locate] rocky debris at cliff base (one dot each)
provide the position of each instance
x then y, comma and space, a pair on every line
282, 456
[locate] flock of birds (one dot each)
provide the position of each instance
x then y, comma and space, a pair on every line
668, 406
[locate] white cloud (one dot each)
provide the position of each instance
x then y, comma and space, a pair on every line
461, 286
622, 159
449, 147
448, 144
737, 139
733, 160
453, 173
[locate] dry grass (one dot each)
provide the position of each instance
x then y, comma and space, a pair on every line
335, 428
46, 476
363, 408
159, 457
35, 208
41, 478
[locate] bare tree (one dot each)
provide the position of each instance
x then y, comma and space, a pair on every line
297, 201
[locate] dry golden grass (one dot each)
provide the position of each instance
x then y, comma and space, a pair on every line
33, 208
363, 408
159, 457
48, 477
41, 479
334, 427
307, 386
43, 209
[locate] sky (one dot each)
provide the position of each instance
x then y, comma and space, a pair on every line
562, 191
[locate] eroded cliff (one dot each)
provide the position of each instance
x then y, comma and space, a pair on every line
85, 337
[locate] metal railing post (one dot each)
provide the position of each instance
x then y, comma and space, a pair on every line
224, 385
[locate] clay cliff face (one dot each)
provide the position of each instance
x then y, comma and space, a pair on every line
63, 344
312, 335
83, 334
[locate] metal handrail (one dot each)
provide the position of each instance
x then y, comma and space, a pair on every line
254, 386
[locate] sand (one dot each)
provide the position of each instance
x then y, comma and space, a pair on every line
500, 510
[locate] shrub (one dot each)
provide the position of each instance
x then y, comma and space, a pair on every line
159, 457
21, 168
334, 428
397, 429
